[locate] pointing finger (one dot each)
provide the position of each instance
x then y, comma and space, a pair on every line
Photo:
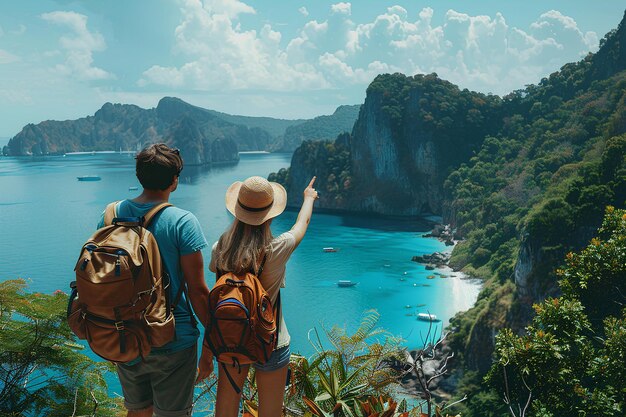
312, 181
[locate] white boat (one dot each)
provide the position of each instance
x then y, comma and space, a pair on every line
426, 317
131, 188
329, 249
345, 283
89, 178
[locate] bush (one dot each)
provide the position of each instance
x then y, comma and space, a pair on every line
41, 367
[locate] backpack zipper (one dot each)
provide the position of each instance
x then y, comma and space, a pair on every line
118, 253
236, 302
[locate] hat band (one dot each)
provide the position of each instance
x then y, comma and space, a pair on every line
254, 209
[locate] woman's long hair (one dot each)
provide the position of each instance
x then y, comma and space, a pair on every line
241, 247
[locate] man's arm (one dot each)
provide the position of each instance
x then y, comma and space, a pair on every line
193, 272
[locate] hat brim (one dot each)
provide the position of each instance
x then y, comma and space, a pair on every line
256, 218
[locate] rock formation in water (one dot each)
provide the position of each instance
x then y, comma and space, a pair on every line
128, 127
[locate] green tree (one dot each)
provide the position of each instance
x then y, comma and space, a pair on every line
570, 361
42, 369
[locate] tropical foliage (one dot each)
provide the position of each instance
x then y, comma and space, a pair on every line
570, 361
350, 375
42, 369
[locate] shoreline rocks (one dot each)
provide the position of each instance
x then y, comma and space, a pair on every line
444, 233
433, 261
431, 364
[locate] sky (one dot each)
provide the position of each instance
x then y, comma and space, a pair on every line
63, 59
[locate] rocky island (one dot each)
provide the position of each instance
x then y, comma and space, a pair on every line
204, 136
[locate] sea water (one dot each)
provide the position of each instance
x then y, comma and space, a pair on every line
46, 215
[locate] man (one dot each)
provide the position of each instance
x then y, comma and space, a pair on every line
163, 382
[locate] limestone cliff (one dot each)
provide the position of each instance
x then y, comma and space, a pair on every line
410, 133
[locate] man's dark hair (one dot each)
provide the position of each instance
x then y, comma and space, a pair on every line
157, 165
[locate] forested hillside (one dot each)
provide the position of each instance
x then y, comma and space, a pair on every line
319, 128
527, 178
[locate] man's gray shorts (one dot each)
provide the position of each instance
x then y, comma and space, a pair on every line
164, 381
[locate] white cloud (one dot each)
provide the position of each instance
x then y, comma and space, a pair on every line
79, 46
224, 56
230, 8
479, 52
342, 8
303, 11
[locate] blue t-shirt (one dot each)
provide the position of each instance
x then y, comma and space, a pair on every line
177, 233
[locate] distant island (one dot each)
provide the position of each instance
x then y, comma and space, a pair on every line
204, 136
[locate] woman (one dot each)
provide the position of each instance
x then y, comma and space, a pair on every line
254, 203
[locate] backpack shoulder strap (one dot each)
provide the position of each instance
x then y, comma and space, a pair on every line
153, 212
260, 271
279, 313
109, 213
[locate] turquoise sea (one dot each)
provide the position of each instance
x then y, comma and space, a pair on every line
46, 215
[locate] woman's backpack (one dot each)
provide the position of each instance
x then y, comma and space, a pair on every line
242, 327
120, 301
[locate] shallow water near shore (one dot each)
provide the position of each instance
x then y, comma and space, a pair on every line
46, 215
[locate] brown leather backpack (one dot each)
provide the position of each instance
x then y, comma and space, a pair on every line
120, 301
243, 325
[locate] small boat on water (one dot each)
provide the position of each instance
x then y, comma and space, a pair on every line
426, 317
133, 188
330, 249
89, 178
346, 283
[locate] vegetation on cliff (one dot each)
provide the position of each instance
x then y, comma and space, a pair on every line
570, 360
425, 106
331, 163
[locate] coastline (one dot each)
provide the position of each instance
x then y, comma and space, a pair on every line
463, 296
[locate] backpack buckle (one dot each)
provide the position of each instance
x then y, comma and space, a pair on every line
119, 325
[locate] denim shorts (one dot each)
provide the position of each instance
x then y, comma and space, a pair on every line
278, 359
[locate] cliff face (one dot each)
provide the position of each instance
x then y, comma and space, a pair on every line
399, 150
396, 172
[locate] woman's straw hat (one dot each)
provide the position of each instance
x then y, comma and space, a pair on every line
256, 200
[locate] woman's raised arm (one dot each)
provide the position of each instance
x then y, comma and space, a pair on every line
304, 216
